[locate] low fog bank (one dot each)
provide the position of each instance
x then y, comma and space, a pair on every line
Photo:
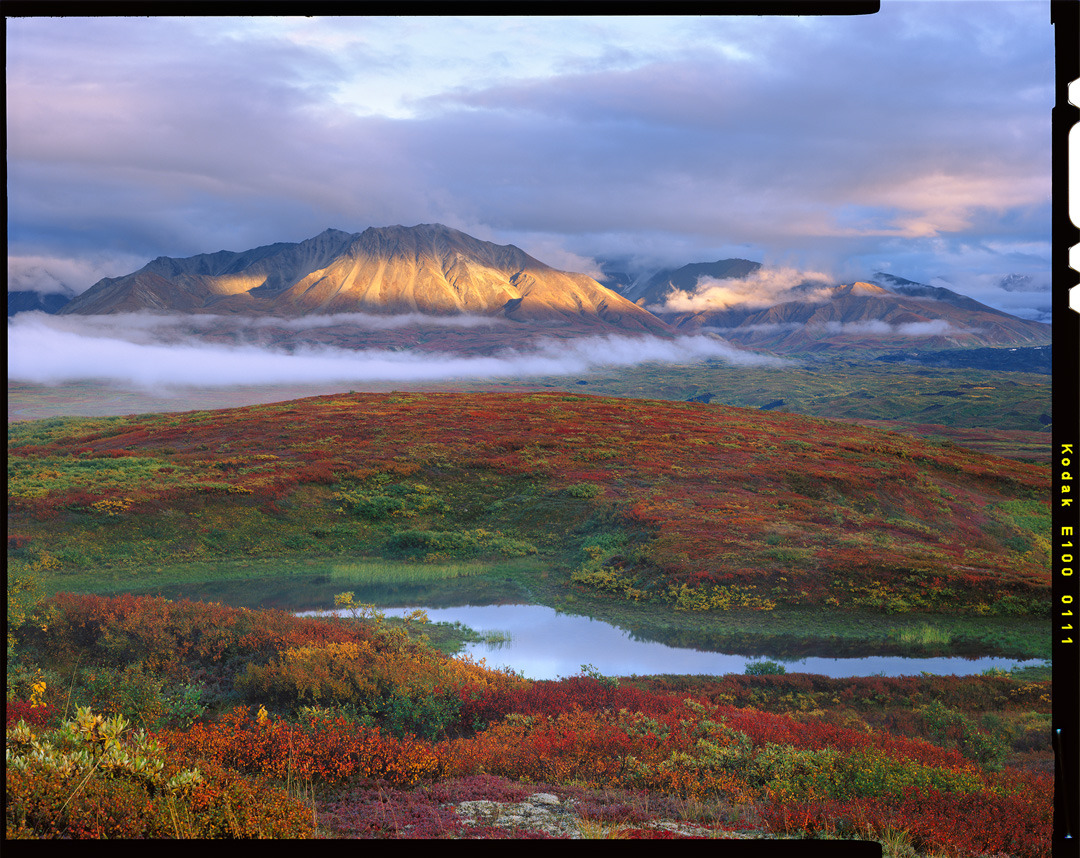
870, 327
159, 328
129, 350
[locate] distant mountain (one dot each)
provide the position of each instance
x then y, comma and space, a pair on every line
427, 269
866, 315
24, 300
655, 290
900, 286
439, 274
616, 275
1017, 283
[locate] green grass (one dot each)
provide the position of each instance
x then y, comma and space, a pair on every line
497, 637
377, 571
244, 580
1034, 672
835, 387
924, 634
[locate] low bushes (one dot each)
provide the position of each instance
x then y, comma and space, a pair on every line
94, 778
359, 705
329, 749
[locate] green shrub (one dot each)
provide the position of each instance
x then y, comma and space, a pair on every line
436, 544
370, 507
1016, 606
427, 715
764, 668
953, 729
142, 697
584, 490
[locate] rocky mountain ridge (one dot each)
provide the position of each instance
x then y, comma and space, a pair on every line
437, 273
655, 289
428, 269
865, 315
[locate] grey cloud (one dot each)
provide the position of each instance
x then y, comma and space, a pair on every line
65, 276
931, 328
832, 141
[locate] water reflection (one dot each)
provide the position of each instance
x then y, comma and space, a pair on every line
546, 644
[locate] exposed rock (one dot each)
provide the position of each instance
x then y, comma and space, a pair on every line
866, 315
429, 269
541, 812
548, 814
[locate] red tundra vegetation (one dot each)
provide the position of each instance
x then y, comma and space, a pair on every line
372, 733
705, 507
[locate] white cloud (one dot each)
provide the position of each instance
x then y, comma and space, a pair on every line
51, 350
64, 275
762, 288
161, 329
872, 327
931, 328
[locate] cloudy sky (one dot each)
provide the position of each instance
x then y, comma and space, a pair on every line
915, 141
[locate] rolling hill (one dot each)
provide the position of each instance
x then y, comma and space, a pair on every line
698, 507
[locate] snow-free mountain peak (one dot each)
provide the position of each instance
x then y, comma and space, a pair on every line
426, 269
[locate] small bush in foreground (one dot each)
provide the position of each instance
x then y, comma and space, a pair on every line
93, 778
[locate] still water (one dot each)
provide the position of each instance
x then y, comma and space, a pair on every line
546, 644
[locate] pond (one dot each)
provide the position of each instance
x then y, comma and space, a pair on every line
542, 643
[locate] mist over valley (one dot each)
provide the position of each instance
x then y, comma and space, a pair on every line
430, 303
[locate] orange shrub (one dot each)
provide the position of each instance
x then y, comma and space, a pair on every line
331, 750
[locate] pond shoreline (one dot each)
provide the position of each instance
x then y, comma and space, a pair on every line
542, 643
788, 633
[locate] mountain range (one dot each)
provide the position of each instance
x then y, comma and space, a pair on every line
864, 315
436, 275
429, 269
655, 290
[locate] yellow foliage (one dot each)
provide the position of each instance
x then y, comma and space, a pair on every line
112, 506
717, 598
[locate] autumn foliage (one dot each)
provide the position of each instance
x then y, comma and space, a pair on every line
331, 739
297, 726
328, 749
705, 507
